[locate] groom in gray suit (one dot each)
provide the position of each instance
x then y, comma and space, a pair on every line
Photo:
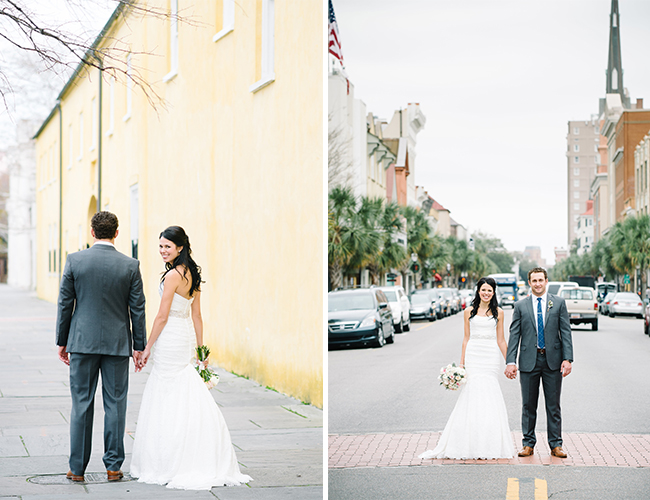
100, 322
541, 331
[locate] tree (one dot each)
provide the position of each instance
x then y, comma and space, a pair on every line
393, 254
492, 248
344, 233
64, 46
339, 163
419, 238
630, 240
461, 257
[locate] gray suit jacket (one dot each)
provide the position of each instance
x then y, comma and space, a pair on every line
523, 334
101, 303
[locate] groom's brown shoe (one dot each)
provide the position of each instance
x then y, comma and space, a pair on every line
558, 452
74, 477
114, 475
526, 451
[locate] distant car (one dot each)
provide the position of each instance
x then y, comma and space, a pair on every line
452, 298
581, 305
467, 296
440, 303
604, 304
604, 288
505, 298
646, 323
359, 316
423, 307
626, 303
399, 306
554, 287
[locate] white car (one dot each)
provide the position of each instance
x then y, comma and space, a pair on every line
555, 287
399, 306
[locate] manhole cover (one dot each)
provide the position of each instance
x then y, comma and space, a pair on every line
90, 478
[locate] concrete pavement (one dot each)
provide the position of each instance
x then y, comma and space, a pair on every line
278, 440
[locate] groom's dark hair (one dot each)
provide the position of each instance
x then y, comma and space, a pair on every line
105, 225
537, 270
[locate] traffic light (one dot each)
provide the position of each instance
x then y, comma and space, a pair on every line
462, 280
416, 267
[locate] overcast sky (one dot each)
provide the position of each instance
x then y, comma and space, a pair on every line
497, 80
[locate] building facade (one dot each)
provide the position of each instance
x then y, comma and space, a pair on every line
234, 156
583, 139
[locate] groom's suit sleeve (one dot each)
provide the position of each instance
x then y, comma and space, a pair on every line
136, 308
565, 332
66, 304
515, 336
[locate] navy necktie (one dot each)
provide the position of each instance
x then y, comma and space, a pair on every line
540, 325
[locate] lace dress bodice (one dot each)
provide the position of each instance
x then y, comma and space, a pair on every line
482, 328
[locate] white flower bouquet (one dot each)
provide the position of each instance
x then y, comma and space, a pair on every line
452, 377
207, 374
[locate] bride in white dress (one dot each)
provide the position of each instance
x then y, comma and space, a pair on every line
478, 425
181, 439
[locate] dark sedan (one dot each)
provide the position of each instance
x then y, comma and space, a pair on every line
359, 316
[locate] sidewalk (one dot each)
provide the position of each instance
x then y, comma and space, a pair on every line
278, 440
402, 449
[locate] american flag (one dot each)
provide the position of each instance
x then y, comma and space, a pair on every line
334, 38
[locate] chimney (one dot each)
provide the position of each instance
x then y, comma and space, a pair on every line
639, 103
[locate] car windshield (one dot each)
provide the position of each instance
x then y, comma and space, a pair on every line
420, 298
390, 295
349, 302
446, 293
552, 289
577, 294
627, 296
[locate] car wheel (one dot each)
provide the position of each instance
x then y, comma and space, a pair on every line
611, 314
380, 338
407, 326
594, 325
645, 327
399, 328
432, 318
640, 316
391, 339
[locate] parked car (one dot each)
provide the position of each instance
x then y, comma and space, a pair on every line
359, 316
423, 307
466, 296
441, 305
581, 305
452, 298
554, 287
604, 304
505, 297
399, 306
628, 303
646, 322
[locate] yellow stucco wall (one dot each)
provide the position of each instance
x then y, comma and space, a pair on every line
241, 171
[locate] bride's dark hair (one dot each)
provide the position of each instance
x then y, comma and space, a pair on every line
493, 306
176, 235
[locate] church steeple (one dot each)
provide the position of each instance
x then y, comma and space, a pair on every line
614, 83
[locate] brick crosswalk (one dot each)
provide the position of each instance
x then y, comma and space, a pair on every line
402, 449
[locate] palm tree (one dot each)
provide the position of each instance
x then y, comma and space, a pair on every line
419, 237
367, 253
393, 254
631, 243
346, 236
461, 256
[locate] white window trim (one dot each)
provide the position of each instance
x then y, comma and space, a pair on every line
129, 88
93, 124
81, 137
268, 46
228, 20
111, 107
173, 42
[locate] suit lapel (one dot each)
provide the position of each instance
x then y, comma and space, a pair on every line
550, 305
531, 314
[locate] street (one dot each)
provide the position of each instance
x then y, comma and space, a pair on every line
386, 407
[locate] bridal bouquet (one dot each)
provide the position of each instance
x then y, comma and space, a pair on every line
452, 377
209, 377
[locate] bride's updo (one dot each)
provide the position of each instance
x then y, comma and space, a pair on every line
493, 306
176, 235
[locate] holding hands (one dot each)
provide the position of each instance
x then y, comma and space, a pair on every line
511, 371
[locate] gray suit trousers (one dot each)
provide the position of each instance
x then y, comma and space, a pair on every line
84, 373
552, 384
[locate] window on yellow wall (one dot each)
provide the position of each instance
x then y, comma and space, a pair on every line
93, 123
265, 45
173, 41
225, 18
129, 87
111, 106
81, 136
70, 146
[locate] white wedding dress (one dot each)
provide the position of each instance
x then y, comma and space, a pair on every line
478, 425
181, 438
